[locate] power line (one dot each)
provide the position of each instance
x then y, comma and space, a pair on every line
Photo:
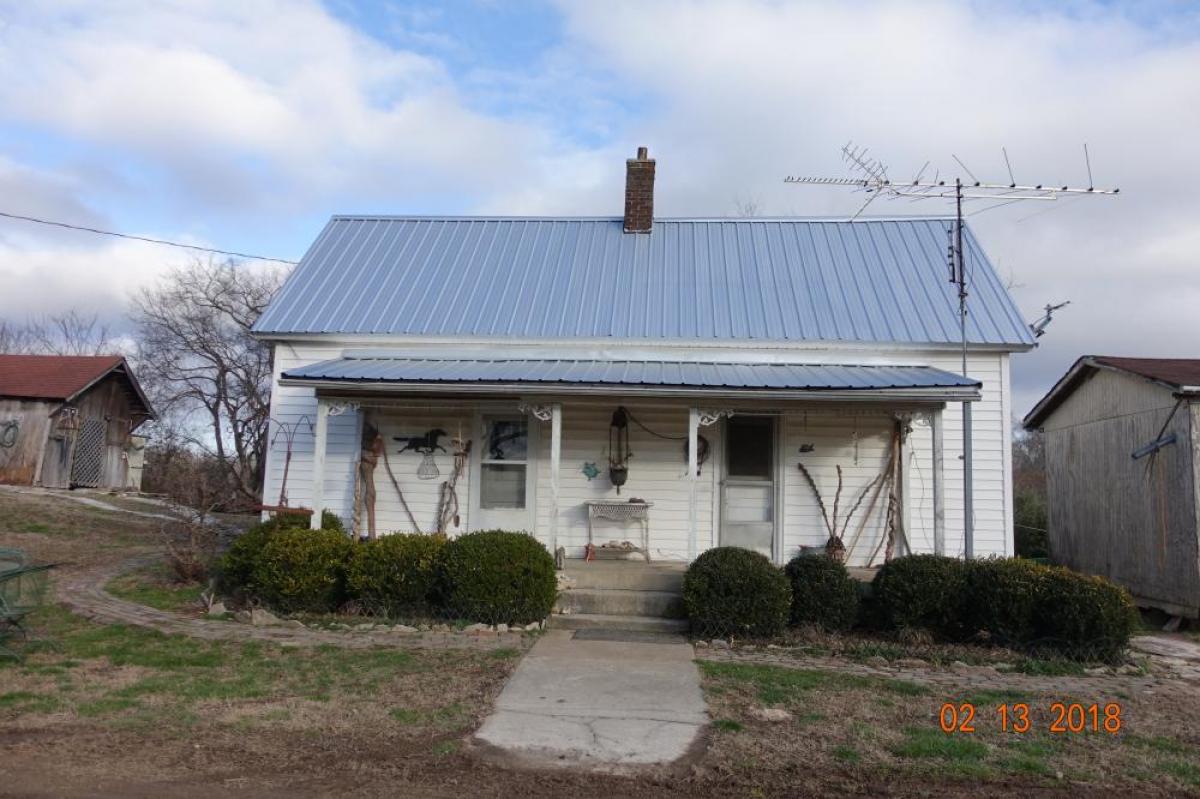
144, 238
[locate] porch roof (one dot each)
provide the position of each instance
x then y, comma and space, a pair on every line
652, 378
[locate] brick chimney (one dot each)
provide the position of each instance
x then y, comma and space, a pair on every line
639, 193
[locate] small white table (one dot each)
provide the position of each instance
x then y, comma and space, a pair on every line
622, 512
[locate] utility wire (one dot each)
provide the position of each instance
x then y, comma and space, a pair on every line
144, 238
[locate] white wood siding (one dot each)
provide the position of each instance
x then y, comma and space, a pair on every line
658, 470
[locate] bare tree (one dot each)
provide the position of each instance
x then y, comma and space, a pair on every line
67, 333
196, 357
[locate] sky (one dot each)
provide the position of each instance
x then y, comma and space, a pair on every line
245, 125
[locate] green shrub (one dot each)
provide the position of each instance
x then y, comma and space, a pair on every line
331, 521
236, 568
1084, 617
1001, 598
921, 591
302, 570
495, 576
823, 592
734, 591
395, 573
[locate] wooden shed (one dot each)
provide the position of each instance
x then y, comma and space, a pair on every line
69, 421
1123, 476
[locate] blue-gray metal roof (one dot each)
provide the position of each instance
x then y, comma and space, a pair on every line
792, 377
743, 280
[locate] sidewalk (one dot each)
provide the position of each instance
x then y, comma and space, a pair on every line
600, 705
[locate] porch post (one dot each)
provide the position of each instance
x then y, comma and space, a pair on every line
693, 466
939, 489
555, 459
320, 430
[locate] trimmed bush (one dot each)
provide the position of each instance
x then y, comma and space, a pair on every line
921, 591
1001, 599
237, 564
734, 591
1084, 617
331, 521
394, 573
495, 577
302, 570
823, 592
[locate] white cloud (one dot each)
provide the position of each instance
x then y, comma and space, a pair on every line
270, 110
741, 94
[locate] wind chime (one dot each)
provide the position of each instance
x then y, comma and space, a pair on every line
618, 448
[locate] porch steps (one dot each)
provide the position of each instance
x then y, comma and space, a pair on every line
625, 595
621, 602
601, 621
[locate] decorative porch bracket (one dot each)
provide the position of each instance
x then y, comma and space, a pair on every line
551, 413
697, 418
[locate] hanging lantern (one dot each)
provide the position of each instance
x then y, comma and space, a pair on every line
618, 448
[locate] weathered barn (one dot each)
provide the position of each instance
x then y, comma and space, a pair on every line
1123, 477
69, 420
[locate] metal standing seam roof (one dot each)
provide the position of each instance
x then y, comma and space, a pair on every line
742, 280
794, 377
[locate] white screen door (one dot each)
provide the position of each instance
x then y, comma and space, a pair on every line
506, 474
748, 490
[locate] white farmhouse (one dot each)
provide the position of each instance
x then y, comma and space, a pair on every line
538, 374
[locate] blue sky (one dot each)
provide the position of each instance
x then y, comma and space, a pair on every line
244, 126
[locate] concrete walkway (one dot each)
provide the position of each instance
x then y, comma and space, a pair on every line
604, 705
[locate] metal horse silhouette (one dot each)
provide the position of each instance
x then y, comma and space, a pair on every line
424, 444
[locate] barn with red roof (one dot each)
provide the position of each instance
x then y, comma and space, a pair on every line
70, 421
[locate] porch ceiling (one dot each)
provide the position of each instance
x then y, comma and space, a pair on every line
650, 378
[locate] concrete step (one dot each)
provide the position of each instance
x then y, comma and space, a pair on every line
628, 575
604, 621
622, 602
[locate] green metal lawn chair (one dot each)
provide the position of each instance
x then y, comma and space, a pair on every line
22, 590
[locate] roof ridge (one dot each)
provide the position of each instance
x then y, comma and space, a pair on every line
601, 218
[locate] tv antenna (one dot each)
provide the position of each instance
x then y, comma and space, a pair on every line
874, 179
1038, 328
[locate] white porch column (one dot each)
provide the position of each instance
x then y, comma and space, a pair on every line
939, 489
555, 459
320, 435
693, 466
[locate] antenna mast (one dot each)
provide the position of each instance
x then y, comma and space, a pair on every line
874, 180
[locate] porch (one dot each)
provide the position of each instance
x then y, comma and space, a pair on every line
768, 456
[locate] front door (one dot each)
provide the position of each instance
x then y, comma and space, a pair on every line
748, 490
506, 474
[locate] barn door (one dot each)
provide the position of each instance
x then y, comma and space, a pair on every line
88, 465
748, 490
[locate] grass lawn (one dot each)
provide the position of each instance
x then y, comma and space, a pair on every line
87, 686
151, 585
867, 728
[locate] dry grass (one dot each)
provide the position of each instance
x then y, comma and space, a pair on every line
865, 728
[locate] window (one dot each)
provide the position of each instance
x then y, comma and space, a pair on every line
503, 463
751, 447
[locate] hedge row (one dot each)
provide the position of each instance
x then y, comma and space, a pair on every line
1007, 601
492, 576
